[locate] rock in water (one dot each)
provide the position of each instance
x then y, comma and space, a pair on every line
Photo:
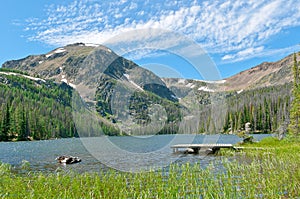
68, 159
189, 151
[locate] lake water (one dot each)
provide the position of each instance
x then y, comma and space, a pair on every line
99, 153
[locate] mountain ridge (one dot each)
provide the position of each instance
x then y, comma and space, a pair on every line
263, 75
258, 76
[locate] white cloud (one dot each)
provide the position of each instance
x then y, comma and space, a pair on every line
237, 27
226, 57
250, 51
258, 52
245, 53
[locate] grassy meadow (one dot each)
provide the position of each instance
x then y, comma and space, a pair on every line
271, 172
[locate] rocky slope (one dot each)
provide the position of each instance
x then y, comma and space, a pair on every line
263, 75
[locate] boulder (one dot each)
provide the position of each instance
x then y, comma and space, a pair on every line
189, 150
64, 159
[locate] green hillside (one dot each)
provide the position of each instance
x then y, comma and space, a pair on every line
34, 109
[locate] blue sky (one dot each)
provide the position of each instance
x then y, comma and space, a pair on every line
236, 34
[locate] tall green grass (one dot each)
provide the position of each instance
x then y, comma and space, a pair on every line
273, 173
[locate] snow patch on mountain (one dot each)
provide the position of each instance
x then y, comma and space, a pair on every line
63, 79
211, 81
127, 76
181, 81
57, 51
60, 50
190, 85
91, 45
133, 83
72, 85
238, 92
49, 55
205, 88
69, 83
174, 97
26, 76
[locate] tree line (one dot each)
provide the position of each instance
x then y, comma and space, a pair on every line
34, 109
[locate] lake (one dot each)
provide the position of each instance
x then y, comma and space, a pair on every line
126, 153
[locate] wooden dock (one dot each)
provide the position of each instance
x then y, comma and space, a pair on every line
195, 148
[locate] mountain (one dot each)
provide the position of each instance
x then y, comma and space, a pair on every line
80, 66
129, 99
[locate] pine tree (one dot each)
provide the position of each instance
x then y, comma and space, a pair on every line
4, 134
294, 126
23, 124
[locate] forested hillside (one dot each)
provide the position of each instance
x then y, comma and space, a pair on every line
266, 109
33, 108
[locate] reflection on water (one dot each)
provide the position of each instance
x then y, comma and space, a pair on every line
133, 152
